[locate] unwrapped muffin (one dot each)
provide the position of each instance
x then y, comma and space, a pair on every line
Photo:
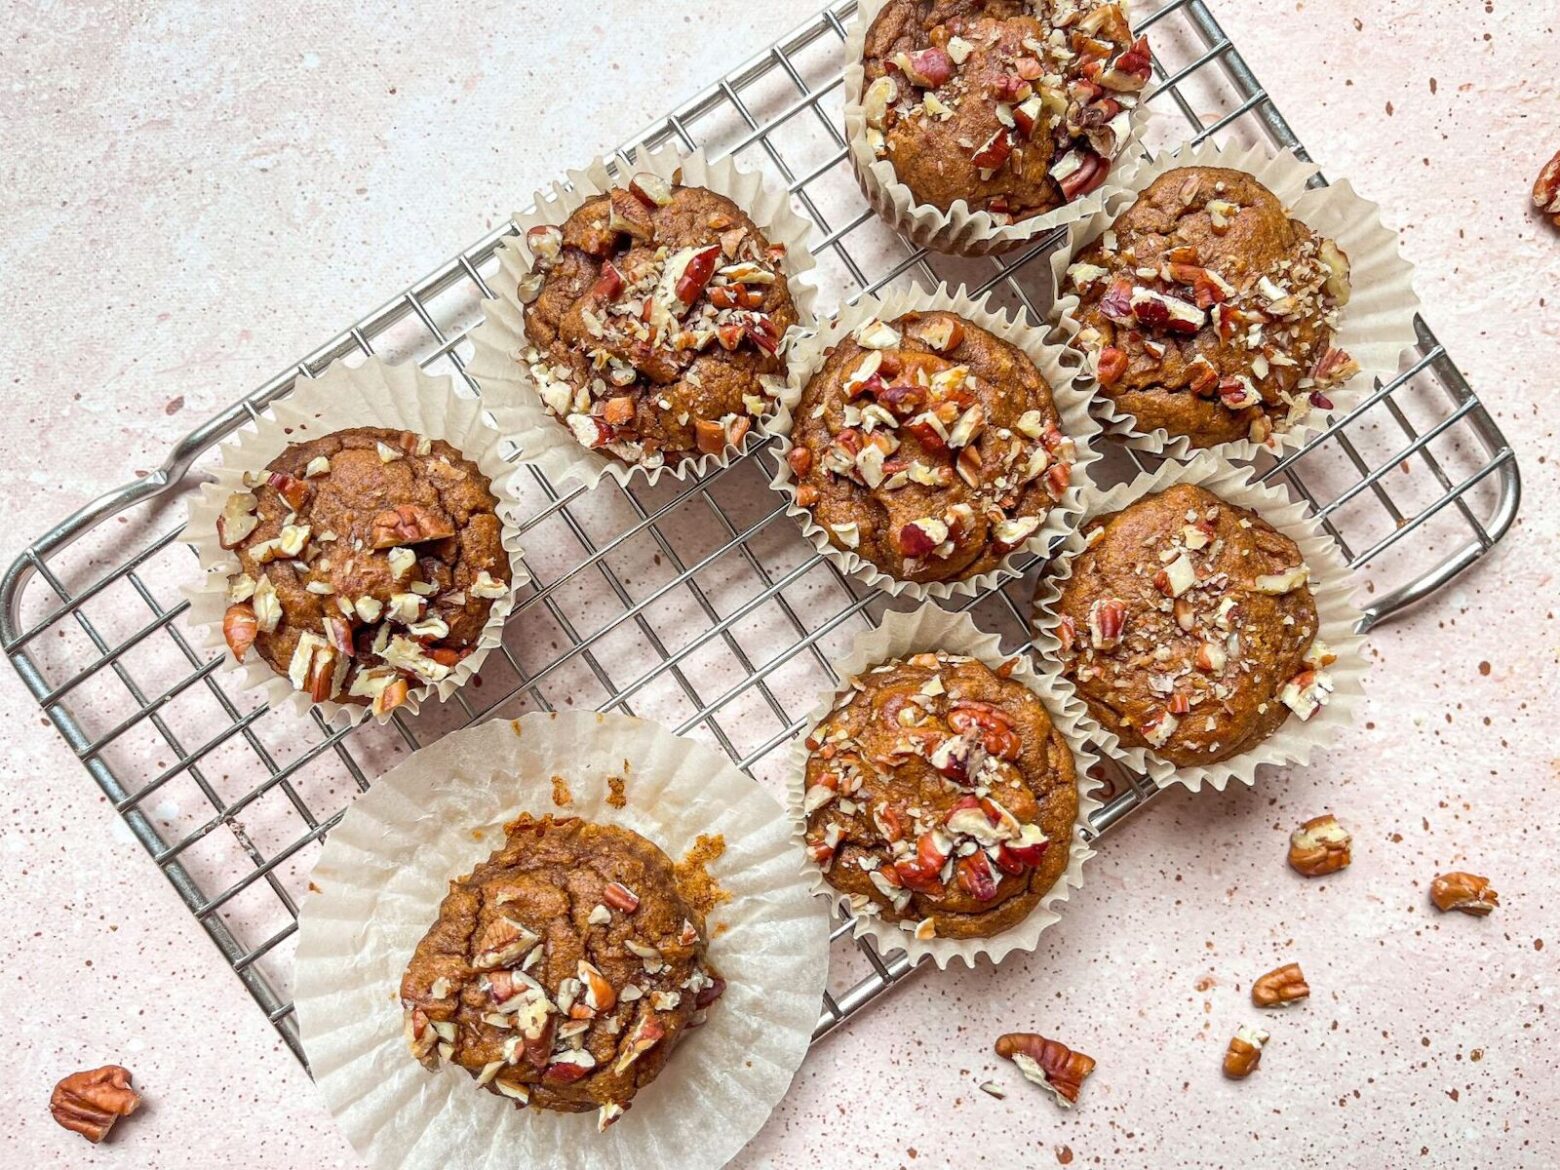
654, 316
1189, 628
1207, 311
929, 447
563, 971
939, 794
368, 562
1011, 106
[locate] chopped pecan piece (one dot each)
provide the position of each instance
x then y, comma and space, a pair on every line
1244, 1053
1281, 986
1048, 1063
1467, 892
89, 1103
409, 524
1546, 191
1319, 847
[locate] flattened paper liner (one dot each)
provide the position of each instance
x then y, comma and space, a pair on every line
374, 394
385, 869
498, 342
1375, 327
959, 230
1072, 408
932, 628
1332, 586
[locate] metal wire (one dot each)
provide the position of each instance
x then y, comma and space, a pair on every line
777, 112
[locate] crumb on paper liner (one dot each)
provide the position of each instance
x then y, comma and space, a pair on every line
1375, 327
1072, 408
384, 871
931, 628
498, 341
1332, 586
373, 394
959, 230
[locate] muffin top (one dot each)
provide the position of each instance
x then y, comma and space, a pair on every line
1189, 628
1013, 106
1208, 311
654, 314
929, 447
368, 562
938, 793
562, 971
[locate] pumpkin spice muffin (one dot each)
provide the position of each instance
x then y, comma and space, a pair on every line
929, 447
654, 315
1014, 107
369, 560
1188, 627
563, 971
939, 794
1208, 311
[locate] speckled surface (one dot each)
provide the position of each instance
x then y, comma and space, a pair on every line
195, 194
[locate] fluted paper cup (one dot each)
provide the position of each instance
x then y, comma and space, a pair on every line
374, 394
1296, 740
499, 341
386, 868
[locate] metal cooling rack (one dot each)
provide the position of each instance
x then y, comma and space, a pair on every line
695, 603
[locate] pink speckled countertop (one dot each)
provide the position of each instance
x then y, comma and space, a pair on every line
193, 194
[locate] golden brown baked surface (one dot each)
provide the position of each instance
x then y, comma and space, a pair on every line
563, 971
1000, 103
939, 793
1208, 311
1189, 628
368, 562
929, 447
653, 315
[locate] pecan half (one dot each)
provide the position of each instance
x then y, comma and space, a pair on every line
90, 1102
1546, 191
1281, 986
1467, 892
1244, 1053
1048, 1063
1319, 847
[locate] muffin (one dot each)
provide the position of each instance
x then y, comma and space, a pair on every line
1013, 107
562, 971
654, 316
368, 562
939, 794
1209, 312
928, 447
1189, 628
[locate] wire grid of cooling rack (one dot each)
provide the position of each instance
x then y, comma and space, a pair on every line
695, 603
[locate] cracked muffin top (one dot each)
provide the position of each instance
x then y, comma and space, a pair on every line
654, 315
562, 971
929, 447
1189, 628
368, 562
1208, 311
938, 794
1014, 106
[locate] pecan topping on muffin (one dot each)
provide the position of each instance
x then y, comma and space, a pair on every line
1189, 627
654, 315
940, 795
1013, 106
563, 971
368, 562
929, 447
1208, 311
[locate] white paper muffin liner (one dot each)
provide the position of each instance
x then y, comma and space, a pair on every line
1072, 407
385, 869
498, 341
1375, 327
1332, 587
959, 230
374, 394
932, 628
